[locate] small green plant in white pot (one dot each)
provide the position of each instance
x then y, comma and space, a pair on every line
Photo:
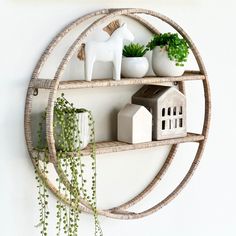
134, 64
170, 52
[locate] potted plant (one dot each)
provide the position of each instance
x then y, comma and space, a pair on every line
134, 64
69, 136
170, 52
77, 119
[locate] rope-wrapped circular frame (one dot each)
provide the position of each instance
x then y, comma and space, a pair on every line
118, 212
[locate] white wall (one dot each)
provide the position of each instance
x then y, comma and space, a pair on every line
206, 206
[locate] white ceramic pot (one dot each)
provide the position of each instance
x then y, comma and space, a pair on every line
83, 126
134, 67
162, 65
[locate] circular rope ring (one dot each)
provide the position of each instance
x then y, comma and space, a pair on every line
117, 212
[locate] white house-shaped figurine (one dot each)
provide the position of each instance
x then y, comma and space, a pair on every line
134, 124
168, 108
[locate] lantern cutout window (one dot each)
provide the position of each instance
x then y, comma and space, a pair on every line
134, 124
168, 108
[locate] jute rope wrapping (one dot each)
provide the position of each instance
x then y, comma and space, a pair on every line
110, 14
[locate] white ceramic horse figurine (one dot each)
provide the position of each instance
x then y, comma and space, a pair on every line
107, 51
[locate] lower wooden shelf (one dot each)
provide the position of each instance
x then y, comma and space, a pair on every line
116, 146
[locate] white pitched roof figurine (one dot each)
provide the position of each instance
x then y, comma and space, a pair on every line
134, 124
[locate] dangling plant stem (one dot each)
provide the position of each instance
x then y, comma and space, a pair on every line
42, 190
69, 158
98, 230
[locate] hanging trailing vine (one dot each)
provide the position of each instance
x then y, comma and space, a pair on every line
42, 190
69, 142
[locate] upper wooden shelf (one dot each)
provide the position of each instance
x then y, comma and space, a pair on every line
74, 84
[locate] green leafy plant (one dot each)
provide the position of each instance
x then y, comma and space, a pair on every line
177, 48
134, 50
70, 165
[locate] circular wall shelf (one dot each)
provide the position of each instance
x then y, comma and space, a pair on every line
55, 84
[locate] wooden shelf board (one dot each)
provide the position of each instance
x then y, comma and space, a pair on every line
74, 84
116, 146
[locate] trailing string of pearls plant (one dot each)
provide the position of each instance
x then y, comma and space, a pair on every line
69, 143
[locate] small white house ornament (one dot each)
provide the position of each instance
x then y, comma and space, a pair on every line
107, 51
134, 124
168, 108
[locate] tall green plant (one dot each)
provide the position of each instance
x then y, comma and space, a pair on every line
70, 163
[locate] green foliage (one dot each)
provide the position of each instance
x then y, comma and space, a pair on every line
42, 190
177, 48
134, 50
70, 165
42, 200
